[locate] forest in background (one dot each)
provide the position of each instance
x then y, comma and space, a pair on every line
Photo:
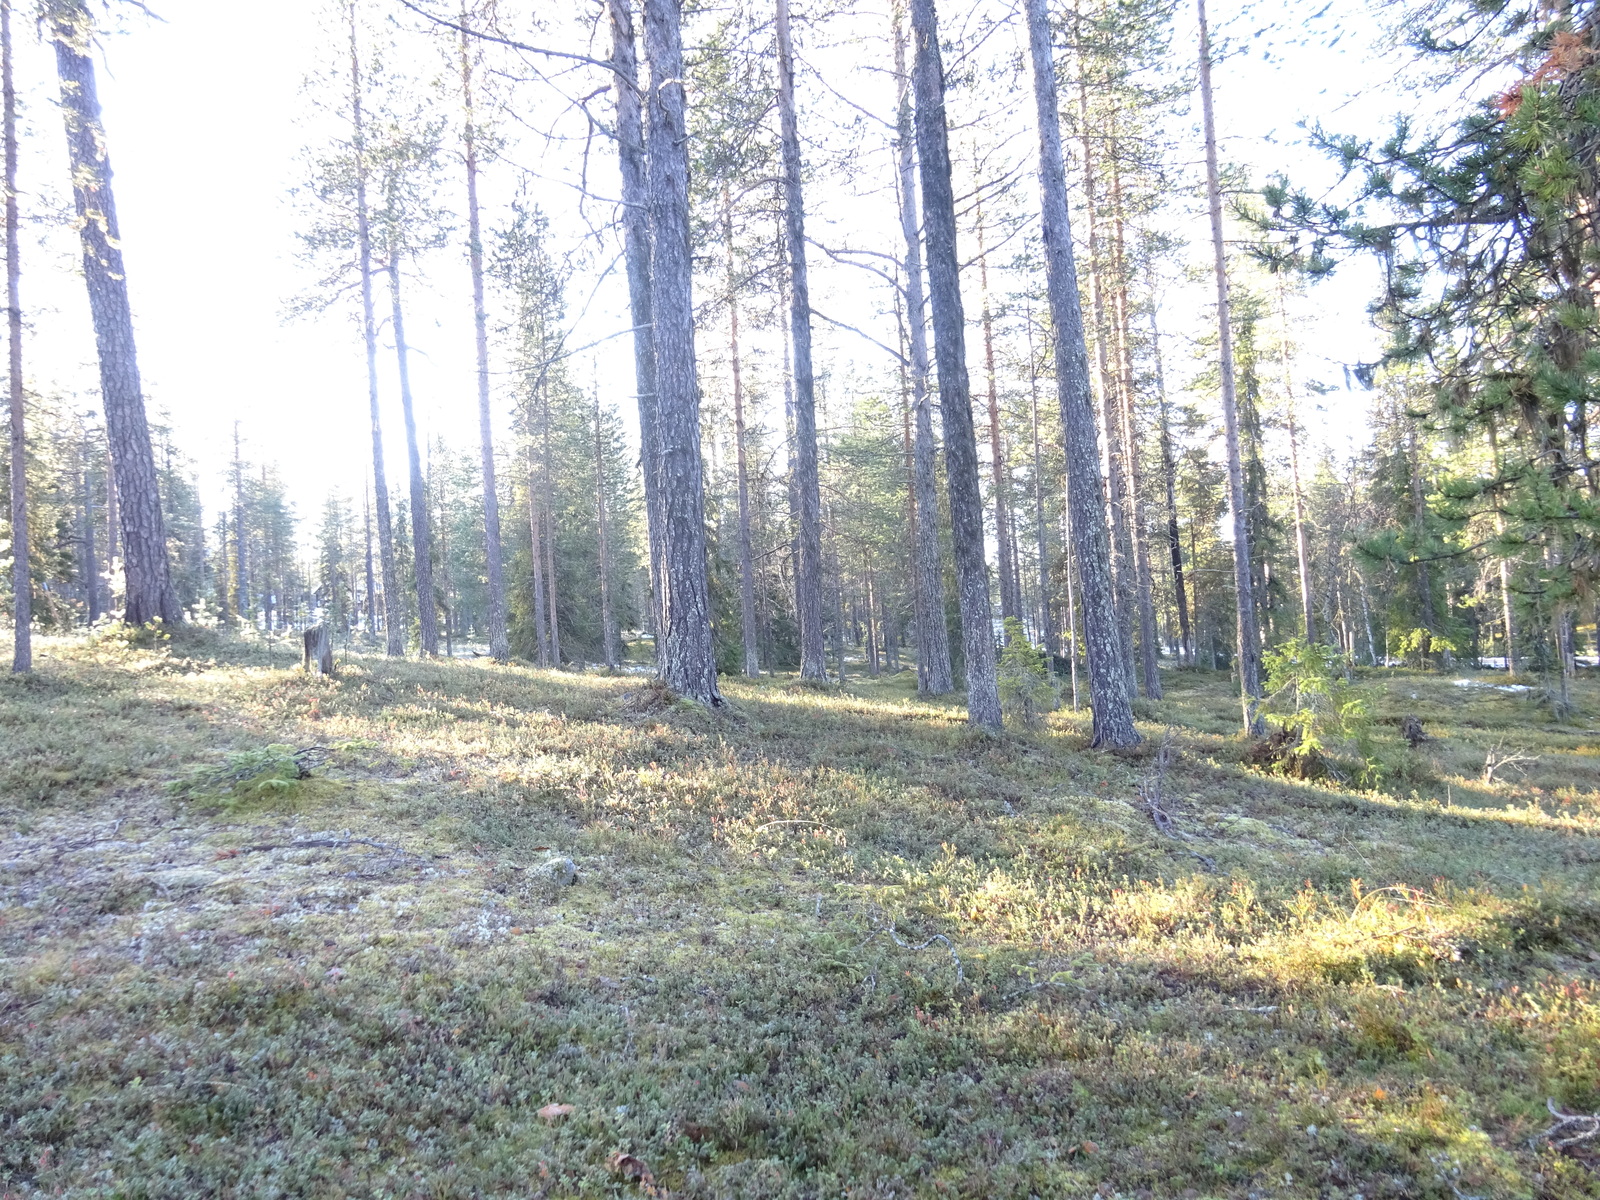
837, 535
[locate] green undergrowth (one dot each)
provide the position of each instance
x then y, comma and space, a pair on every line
825, 942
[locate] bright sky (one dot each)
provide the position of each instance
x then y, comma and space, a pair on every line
203, 113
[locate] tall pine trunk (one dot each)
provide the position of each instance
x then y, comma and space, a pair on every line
955, 398
1248, 635
935, 676
21, 577
1108, 671
807, 489
147, 576
499, 644
421, 536
747, 570
687, 660
393, 621
636, 253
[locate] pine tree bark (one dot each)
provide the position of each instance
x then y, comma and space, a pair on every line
935, 677
1247, 632
148, 593
421, 535
21, 575
636, 254
808, 569
955, 398
687, 660
394, 628
1108, 671
499, 643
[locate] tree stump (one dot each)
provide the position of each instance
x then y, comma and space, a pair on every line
319, 649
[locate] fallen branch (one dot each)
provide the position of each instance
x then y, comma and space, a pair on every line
904, 945
1587, 1124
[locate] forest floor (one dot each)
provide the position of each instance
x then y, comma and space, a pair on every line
821, 944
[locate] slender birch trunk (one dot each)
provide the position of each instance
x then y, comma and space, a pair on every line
1248, 636
1120, 550
1047, 624
21, 575
421, 536
747, 580
636, 253
393, 621
1301, 541
608, 623
935, 676
91, 566
547, 480
1144, 584
1169, 473
1010, 585
372, 593
147, 576
499, 643
808, 571
241, 604
1505, 567
541, 627
955, 397
688, 661
1108, 671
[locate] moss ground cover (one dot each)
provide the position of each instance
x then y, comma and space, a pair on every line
824, 944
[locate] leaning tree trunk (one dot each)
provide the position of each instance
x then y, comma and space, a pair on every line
955, 399
1249, 637
21, 579
499, 644
1110, 689
688, 658
148, 593
808, 494
421, 536
934, 674
393, 622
